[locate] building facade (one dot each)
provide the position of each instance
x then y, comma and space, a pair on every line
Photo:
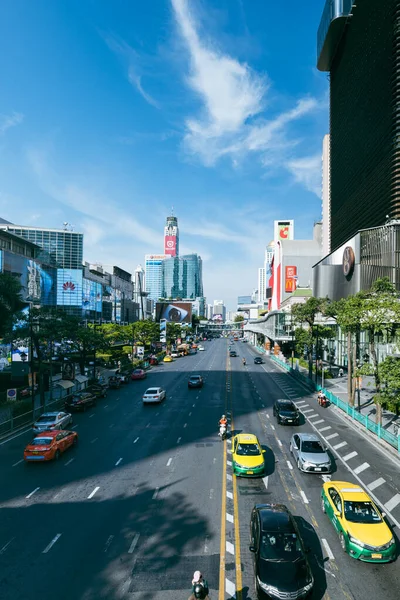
154, 275
171, 237
326, 196
219, 310
183, 277
261, 285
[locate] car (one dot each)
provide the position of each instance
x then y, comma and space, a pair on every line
232, 353
309, 453
26, 392
281, 567
138, 374
363, 532
49, 445
168, 358
286, 412
247, 456
258, 360
175, 355
244, 340
123, 377
80, 401
51, 421
200, 348
195, 381
99, 390
114, 382
154, 394
153, 361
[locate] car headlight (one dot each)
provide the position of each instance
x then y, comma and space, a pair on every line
307, 587
392, 541
270, 589
357, 542
307, 464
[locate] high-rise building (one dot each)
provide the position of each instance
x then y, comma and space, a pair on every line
140, 290
171, 237
261, 285
183, 277
326, 197
358, 44
154, 275
219, 310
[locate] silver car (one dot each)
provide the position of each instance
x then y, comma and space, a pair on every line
309, 453
51, 421
154, 394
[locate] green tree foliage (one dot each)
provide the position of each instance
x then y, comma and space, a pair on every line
389, 373
306, 314
173, 332
10, 302
145, 332
238, 318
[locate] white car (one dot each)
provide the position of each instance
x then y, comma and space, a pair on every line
154, 394
175, 355
200, 348
52, 421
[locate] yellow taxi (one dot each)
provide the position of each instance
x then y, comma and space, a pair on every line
168, 358
247, 456
362, 531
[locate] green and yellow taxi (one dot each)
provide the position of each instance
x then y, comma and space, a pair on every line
247, 456
168, 358
362, 531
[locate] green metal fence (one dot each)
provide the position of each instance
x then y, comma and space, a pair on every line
378, 430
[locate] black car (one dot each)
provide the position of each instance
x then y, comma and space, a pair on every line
195, 381
232, 353
99, 390
80, 401
258, 360
286, 412
281, 566
114, 382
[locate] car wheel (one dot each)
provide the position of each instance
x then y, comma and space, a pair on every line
342, 541
57, 455
323, 506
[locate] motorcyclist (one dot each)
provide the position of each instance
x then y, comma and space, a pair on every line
244, 361
321, 397
199, 587
223, 421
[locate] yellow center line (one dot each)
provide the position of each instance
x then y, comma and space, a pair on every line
221, 594
238, 562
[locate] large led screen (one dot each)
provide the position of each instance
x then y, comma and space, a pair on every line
174, 312
92, 295
69, 287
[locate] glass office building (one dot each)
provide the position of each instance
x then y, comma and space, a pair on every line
183, 277
154, 275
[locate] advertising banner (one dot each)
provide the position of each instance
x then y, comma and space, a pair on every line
68, 371
140, 350
170, 245
92, 295
174, 312
290, 279
284, 230
163, 331
69, 287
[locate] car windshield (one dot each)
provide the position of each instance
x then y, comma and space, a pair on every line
152, 391
44, 419
280, 546
41, 442
196, 378
137, 371
286, 406
312, 446
248, 450
361, 512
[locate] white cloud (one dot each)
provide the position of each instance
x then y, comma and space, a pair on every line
8, 121
307, 171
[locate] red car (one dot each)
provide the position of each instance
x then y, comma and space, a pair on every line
49, 445
138, 374
153, 361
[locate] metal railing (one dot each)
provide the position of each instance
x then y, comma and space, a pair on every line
391, 438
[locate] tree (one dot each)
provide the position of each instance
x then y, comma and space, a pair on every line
238, 318
86, 341
389, 373
146, 332
10, 302
306, 313
173, 332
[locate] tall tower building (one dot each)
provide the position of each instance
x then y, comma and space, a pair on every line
261, 289
140, 289
326, 197
154, 275
171, 237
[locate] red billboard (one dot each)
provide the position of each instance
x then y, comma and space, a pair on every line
170, 245
290, 279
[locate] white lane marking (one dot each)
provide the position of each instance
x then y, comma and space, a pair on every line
96, 489
26, 429
268, 417
340, 445
155, 493
326, 478
157, 414
178, 440
34, 492
289, 464
361, 468
93, 441
193, 405
105, 406
69, 462
18, 463
272, 427
230, 588
4, 548
190, 414
229, 477
206, 541
74, 427
331, 436
305, 499
119, 461
318, 422
108, 542
112, 425
229, 463
327, 549
392, 503
229, 517
280, 443
185, 425
211, 494
265, 480
91, 416
313, 416
307, 411
229, 450
134, 543
136, 440
325, 428
53, 541
229, 495
169, 462
302, 402
376, 483
148, 425
350, 455
230, 547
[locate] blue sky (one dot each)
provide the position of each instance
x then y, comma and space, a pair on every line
112, 112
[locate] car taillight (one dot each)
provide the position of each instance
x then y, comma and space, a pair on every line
156, 396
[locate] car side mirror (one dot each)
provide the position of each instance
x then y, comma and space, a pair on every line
252, 549
383, 515
295, 447
264, 451
337, 513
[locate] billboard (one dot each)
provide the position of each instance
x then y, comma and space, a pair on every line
92, 293
290, 279
174, 311
37, 281
170, 245
69, 287
283, 230
163, 331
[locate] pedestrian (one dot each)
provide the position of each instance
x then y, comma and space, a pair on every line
340, 372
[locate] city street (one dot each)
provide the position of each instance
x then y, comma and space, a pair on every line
148, 497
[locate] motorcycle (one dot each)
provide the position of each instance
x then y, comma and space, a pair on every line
323, 401
244, 362
222, 431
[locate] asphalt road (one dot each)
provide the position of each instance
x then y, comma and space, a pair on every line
148, 497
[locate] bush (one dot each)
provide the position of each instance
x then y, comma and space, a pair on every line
20, 407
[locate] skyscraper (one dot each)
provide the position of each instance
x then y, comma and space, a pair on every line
154, 275
261, 285
171, 237
359, 45
183, 277
326, 197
